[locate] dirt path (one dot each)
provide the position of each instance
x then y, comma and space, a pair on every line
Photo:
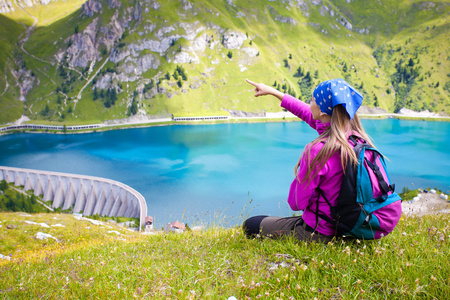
89, 81
27, 36
6, 83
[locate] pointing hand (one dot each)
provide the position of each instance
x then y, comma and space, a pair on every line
261, 90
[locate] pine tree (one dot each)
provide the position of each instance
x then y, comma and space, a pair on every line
299, 72
3, 185
95, 94
113, 96
133, 108
308, 76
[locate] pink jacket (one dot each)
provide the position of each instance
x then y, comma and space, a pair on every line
329, 178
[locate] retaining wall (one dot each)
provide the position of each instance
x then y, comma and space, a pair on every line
87, 194
49, 127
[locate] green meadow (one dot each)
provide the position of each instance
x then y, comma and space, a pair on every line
97, 258
88, 261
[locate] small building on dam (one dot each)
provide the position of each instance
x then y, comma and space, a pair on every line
84, 194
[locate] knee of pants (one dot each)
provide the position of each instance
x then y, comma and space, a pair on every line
251, 226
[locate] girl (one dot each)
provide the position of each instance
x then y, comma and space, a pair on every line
332, 113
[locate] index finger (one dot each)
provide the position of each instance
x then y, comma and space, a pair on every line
251, 82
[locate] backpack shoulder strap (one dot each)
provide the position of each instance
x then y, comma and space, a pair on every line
358, 143
323, 216
385, 187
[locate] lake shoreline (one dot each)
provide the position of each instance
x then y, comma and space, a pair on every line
124, 124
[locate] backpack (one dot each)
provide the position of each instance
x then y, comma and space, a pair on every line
367, 206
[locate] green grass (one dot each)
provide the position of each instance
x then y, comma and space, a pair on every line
46, 14
92, 262
10, 108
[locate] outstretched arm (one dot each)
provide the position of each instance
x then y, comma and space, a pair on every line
295, 106
261, 90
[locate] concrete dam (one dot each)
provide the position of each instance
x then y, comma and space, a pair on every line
85, 194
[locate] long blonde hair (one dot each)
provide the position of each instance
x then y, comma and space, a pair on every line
335, 138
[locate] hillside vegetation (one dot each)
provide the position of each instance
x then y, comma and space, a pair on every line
13, 199
87, 261
84, 62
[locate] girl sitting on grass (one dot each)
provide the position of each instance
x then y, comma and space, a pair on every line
332, 113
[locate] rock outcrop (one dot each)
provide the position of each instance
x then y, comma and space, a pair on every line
281, 18
344, 22
91, 7
411, 113
371, 110
233, 39
25, 80
84, 47
244, 114
7, 6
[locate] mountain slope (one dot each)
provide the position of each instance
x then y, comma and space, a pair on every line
109, 59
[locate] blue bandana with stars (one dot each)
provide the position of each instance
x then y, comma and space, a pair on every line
332, 92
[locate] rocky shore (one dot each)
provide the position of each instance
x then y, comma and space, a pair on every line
426, 204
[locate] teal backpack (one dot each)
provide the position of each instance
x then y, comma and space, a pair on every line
367, 206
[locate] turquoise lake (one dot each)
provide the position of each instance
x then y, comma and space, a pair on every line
219, 174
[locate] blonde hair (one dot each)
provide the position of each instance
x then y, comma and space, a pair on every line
335, 139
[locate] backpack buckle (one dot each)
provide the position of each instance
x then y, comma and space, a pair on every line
367, 219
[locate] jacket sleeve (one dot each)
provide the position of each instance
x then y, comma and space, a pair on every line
302, 110
302, 194
298, 108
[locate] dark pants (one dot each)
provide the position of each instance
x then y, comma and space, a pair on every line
275, 227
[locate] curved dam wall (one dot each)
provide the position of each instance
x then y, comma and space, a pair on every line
86, 194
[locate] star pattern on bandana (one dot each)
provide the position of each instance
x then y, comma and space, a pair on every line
337, 91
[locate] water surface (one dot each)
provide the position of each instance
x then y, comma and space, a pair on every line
217, 173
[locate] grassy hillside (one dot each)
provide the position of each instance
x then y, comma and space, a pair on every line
106, 261
10, 106
395, 52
